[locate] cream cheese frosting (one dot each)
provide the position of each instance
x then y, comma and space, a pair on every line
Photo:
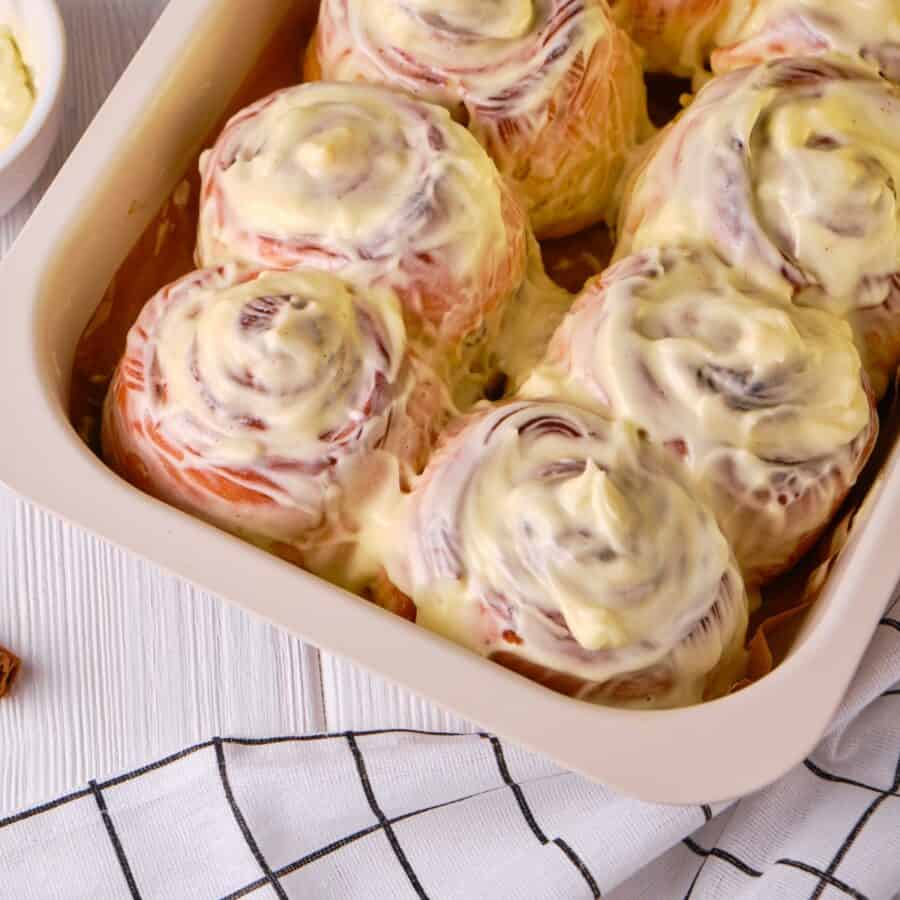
259, 400
359, 170
684, 36
531, 533
509, 54
275, 367
551, 88
371, 182
764, 399
789, 170
16, 91
862, 29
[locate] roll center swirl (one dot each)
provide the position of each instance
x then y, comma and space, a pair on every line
546, 517
265, 373
495, 19
327, 165
826, 191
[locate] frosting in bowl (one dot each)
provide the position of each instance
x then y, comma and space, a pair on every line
16, 90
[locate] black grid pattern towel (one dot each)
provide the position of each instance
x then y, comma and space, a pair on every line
396, 814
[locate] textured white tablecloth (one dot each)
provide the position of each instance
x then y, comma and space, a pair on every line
122, 662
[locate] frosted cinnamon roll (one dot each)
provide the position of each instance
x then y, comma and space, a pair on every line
790, 171
867, 30
274, 405
360, 179
551, 88
563, 546
677, 36
688, 37
766, 402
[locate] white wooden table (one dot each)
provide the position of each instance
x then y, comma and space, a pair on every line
124, 663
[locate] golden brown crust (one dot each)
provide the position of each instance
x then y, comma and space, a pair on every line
675, 35
568, 170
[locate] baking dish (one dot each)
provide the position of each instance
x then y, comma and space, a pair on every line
127, 164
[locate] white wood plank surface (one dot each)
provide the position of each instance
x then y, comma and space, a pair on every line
123, 663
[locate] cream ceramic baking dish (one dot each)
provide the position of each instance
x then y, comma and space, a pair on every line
117, 178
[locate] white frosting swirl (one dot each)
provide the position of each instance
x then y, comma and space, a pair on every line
791, 172
769, 29
761, 397
366, 180
551, 88
495, 20
279, 367
507, 55
251, 398
531, 534
682, 36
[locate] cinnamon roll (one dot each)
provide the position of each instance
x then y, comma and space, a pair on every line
562, 545
677, 36
790, 171
551, 88
364, 180
690, 37
766, 402
275, 405
867, 30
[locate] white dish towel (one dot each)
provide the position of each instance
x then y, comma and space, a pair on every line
399, 814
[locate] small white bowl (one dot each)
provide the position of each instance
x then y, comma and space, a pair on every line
38, 28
